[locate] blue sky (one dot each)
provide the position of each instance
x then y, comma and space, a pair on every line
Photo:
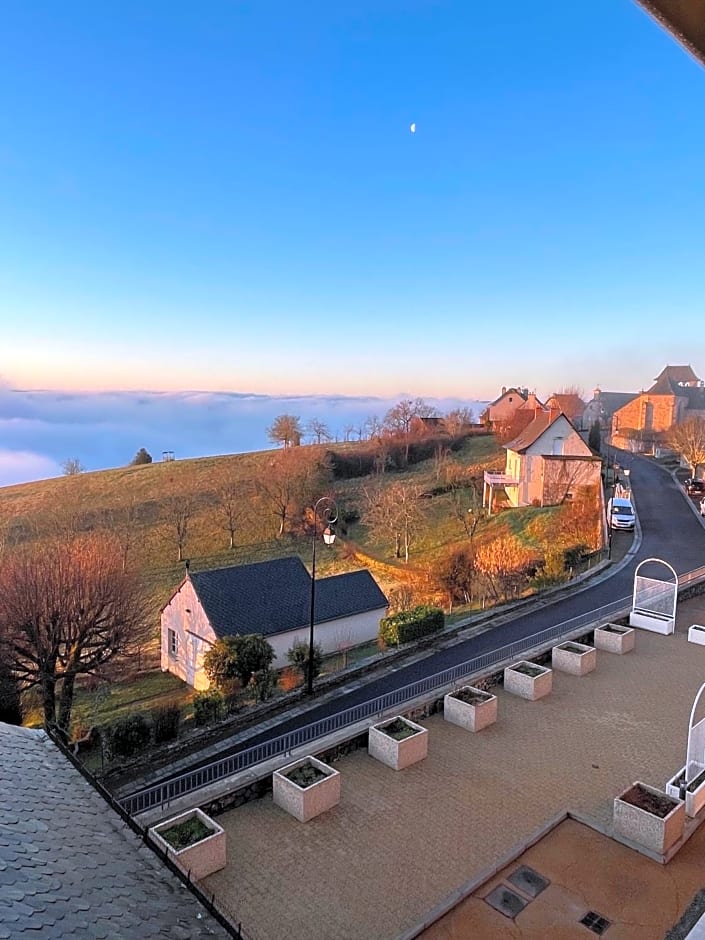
226, 196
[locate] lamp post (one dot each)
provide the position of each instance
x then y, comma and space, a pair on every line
330, 517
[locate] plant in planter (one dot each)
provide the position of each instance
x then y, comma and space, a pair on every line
614, 638
528, 680
470, 708
649, 817
306, 788
194, 841
574, 658
397, 742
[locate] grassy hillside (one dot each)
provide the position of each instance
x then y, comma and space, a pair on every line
136, 498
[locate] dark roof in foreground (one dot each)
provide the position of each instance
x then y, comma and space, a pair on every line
70, 866
684, 20
272, 597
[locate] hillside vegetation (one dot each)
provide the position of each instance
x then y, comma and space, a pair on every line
140, 504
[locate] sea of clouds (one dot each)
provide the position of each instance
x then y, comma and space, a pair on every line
39, 430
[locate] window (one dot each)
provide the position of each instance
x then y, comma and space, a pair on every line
557, 446
173, 642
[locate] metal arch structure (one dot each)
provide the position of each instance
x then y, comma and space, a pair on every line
654, 600
695, 753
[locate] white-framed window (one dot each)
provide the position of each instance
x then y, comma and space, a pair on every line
172, 643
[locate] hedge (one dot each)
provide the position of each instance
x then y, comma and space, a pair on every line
411, 625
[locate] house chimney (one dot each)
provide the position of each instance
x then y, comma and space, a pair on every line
504, 389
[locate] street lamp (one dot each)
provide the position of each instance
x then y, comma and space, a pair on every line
329, 515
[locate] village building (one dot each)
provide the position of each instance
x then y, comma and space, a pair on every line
545, 465
676, 395
270, 598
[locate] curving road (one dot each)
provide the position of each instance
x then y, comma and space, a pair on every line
670, 531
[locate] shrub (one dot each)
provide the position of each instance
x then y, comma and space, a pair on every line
298, 656
264, 682
208, 706
165, 723
129, 735
573, 556
141, 457
410, 625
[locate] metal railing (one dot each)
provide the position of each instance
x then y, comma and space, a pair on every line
162, 794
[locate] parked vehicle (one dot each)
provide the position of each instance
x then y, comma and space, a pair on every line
620, 513
702, 506
695, 487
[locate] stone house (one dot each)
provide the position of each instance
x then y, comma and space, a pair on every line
602, 406
271, 598
676, 395
546, 464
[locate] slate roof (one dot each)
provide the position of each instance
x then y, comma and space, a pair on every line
613, 401
273, 597
667, 382
69, 865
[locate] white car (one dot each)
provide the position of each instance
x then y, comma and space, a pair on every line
702, 506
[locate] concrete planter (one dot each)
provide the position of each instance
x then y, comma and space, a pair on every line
201, 858
614, 638
574, 658
653, 621
694, 798
696, 634
472, 715
528, 680
635, 818
397, 754
306, 801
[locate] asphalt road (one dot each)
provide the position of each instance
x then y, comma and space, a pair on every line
670, 531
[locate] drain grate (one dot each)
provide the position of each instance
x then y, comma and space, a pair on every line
595, 922
528, 881
506, 901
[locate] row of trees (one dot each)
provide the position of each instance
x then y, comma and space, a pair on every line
404, 420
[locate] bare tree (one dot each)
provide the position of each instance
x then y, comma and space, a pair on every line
466, 506
232, 501
688, 440
318, 430
67, 608
458, 420
400, 419
286, 430
395, 511
72, 466
288, 485
441, 454
124, 524
177, 512
373, 427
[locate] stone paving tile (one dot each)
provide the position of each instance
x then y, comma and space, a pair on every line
399, 842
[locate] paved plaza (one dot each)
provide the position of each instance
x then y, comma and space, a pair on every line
400, 842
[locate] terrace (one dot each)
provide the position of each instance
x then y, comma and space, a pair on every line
399, 845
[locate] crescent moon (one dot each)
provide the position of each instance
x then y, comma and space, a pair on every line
412, 128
